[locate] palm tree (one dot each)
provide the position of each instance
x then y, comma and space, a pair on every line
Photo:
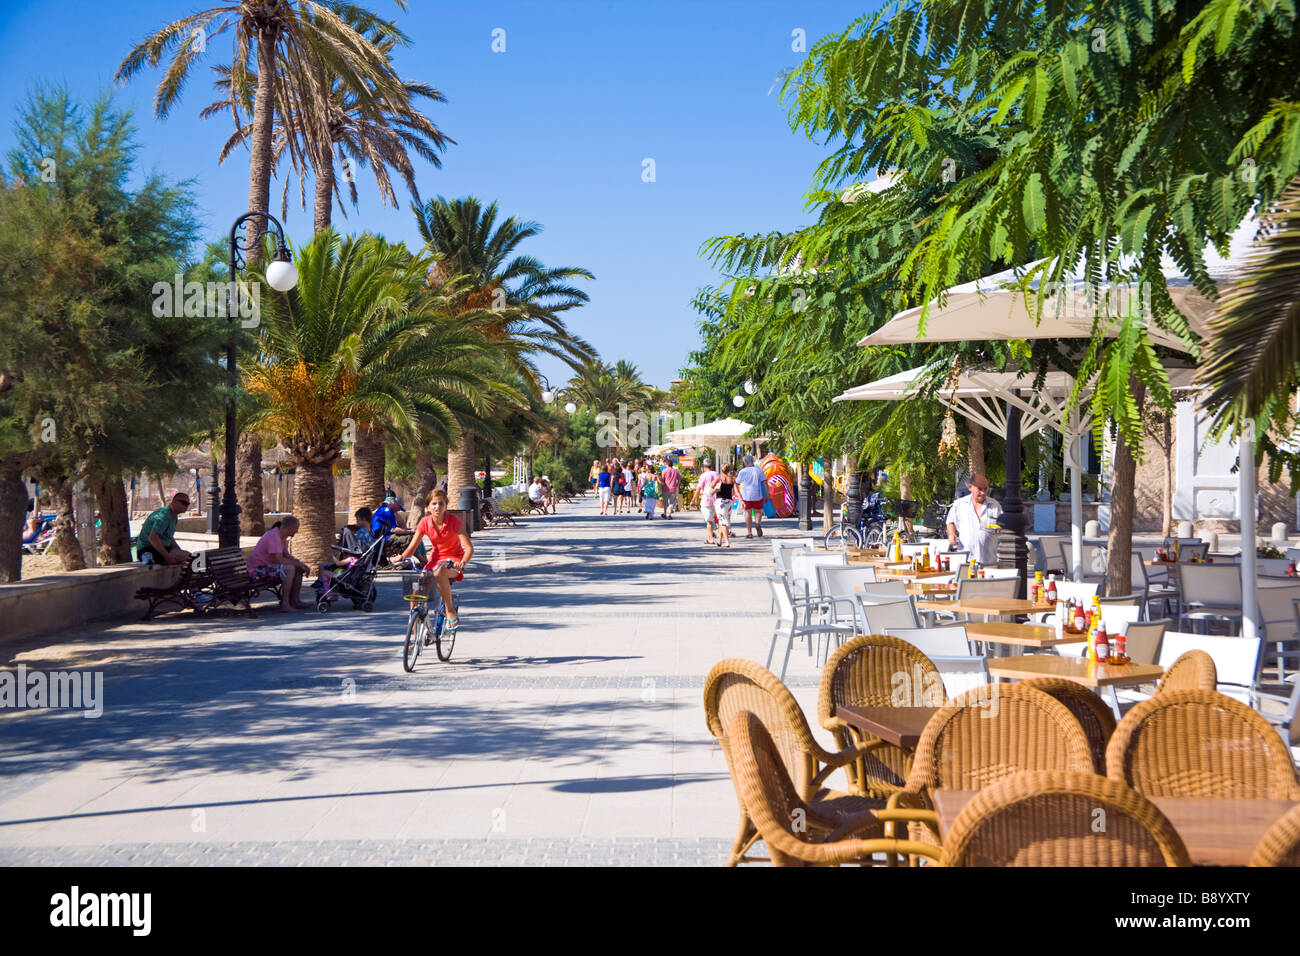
1252, 358
353, 340
376, 132
287, 47
518, 300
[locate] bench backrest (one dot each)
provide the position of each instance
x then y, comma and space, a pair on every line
227, 566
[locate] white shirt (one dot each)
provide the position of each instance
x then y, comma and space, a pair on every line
535, 491
971, 529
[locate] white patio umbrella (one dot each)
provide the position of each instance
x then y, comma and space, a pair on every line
983, 395
719, 435
987, 310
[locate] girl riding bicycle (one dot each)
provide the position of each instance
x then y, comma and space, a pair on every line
449, 542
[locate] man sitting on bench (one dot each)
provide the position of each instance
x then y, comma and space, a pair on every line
537, 495
157, 538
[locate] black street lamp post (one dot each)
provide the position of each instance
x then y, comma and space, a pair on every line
280, 276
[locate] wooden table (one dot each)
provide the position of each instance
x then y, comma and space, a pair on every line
1216, 831
994, 607
1077, 669
1024, 635
900, 726
930, 587
909, 574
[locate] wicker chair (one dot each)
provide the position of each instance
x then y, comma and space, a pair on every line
981, 737
736, 685
796, 833
1199, 743
1053, 818
1093, 715
1281, 844
1192, 671
864, 673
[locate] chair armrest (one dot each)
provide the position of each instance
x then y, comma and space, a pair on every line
851, 851
845, 757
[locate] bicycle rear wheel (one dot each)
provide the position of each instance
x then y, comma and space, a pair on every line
443, 639
414, 640
841, 537
875, 537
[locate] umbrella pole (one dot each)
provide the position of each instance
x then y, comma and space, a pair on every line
1246, 504
1076, 510
1012, 547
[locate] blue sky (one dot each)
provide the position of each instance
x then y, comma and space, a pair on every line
555, 129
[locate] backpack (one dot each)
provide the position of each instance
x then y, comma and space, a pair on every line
383, 521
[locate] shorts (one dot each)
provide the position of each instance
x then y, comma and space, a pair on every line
670, 500
753, 505
604, 493
722, 507
707, 509
267, 572
433, 566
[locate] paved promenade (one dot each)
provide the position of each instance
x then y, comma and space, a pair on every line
568, 728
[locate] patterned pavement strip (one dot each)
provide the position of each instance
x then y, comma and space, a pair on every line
452, 852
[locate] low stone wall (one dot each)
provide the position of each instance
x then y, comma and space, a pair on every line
61, 602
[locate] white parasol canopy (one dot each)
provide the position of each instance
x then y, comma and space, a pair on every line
987, 310
722, 433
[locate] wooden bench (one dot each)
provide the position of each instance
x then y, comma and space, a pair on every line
231, 583
183, 593
491, 517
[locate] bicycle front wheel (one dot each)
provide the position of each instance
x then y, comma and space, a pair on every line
875, 536
414, 640
842, 537
443, 639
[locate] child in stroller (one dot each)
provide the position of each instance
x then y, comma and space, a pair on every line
352, 575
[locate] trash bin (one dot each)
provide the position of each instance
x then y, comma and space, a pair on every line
468, 502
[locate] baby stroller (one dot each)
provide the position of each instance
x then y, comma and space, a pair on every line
357, 581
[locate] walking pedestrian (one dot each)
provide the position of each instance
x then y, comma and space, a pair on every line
629, 487
753, 489
650, 490
671, 479
723, 502
706, 495
604, 488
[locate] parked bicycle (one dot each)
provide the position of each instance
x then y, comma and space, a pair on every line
425, 627
871, 529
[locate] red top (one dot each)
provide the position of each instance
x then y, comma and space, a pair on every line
446, 543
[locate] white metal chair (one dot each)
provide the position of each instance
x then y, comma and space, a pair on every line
839, 590
1286, 720
877, 618
789, 611
1142, 640
1279, 616
783, 550
998, 574
1209, 592
803, 570
950, 651
1236, 659
883, 591
1142, 645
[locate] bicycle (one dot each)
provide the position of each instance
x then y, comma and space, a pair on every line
870, 532
419, 632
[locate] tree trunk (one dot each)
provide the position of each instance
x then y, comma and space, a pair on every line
1123, 502
974, 447
428, 474
65, 526
115, 533
248, 484
259, 165
367, 486
13, 512
324, 192
314, 492
460, 468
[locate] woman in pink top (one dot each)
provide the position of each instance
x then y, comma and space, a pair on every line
271, 558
